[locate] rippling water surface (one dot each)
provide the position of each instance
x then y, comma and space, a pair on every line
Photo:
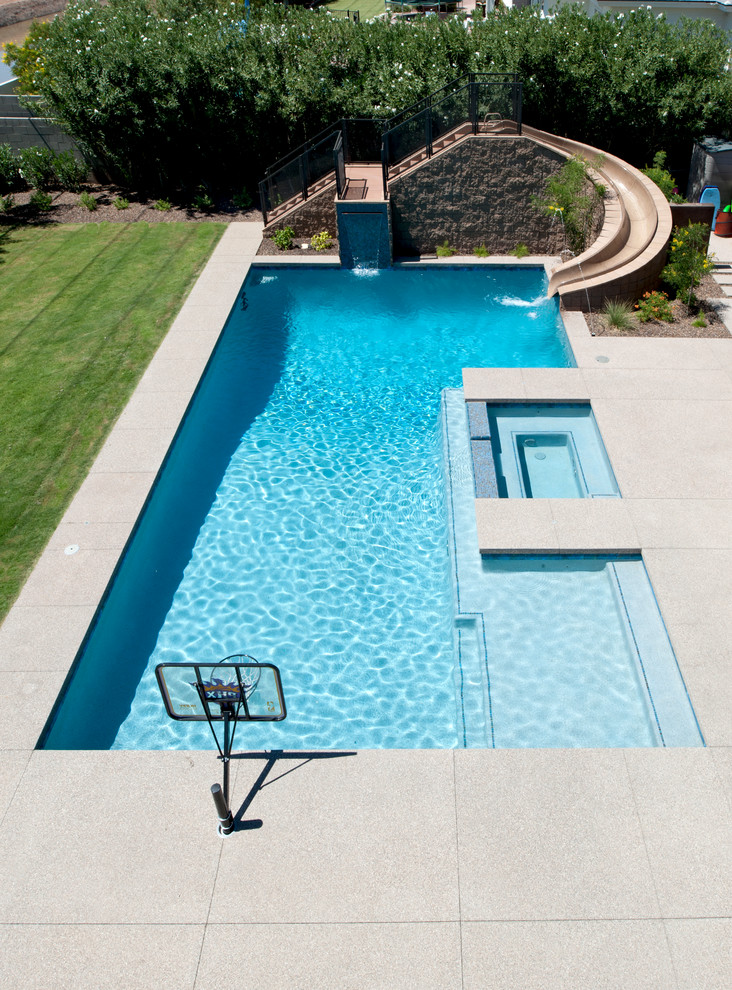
301, 515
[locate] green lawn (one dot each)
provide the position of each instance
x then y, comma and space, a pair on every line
368, 9
83, 307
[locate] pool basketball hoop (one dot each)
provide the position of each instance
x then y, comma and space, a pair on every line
236, 689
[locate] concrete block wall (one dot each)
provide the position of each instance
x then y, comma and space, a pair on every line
31, 132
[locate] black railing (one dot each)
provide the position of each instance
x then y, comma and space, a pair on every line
481, 99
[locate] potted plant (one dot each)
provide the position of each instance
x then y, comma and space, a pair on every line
723, 226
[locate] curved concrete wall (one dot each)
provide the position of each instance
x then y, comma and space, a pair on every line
630, 253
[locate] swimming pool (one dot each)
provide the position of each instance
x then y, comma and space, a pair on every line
301, 517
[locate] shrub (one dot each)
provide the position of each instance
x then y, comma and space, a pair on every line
481, 251
70, 172
163, 205
618, 314
121, 203
699, 321
571, 195
6, 203
10, 177
242, 200
41, 201
663, 178
321, 241
283, 238
86, 199
688, 260
520, 251
202, 201
38, 167
444, 250
654, 306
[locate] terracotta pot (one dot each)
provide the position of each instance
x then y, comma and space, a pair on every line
723, 226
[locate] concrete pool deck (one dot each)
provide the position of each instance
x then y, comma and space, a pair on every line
418, 869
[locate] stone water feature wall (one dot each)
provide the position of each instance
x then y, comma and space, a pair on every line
478, 192
313, 215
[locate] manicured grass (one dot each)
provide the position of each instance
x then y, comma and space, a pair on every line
83, 307
368, 9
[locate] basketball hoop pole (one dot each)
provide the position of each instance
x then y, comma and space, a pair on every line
221, 800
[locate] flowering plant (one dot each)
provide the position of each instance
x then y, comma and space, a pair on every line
654, 306
688, 260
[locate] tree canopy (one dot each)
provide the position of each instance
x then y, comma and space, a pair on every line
169, 93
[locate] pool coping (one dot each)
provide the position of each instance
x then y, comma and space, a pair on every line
457, 863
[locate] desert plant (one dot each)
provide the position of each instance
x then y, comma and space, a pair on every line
520, 251
283, 238
688, 260
618, 314
38, 167
663, 178
321, 241
86, 199
70, 172
41, 201
10, 177
444, 250
163, 205
571, 195
654, 306
481, 251
121, 203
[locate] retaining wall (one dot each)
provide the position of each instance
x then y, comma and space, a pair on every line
477, 192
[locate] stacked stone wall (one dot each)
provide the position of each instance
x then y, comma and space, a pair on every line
314, 215
14, 11
479, 192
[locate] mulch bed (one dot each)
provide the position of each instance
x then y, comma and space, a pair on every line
268, 246
67, 208
683, 321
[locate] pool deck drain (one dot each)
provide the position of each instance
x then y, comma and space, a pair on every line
389, 869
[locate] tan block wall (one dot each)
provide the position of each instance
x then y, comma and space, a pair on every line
13, 11
478, 192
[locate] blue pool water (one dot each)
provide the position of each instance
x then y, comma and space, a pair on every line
301, 514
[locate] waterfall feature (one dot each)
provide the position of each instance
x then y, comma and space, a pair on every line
363, 234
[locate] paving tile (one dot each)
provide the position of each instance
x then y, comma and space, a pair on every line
519, 525
12, 767
121, 838
554, 384
682, 523
549, 834
26, 700
686, 827
722, 758
585, 525
722, 348
141, 450
693, 587
646, 352
367, 837
667, 449
165, 375
111, 497
146, 409
653, 383
571, 955
710, 691
36, 638
493, 384
193, 344
700, 949
318, 957
90, 535
90, 957
61, 580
